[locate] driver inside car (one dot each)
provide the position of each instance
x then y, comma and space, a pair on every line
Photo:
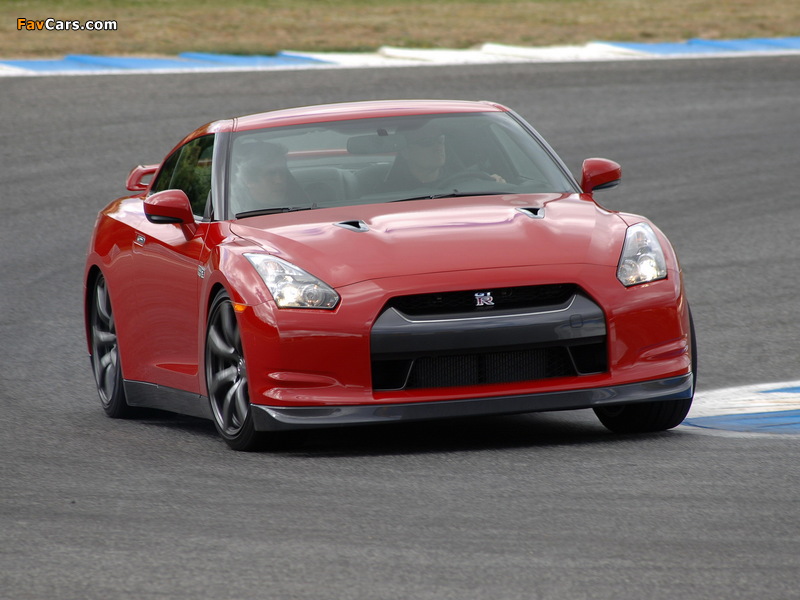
266, 182
422, 159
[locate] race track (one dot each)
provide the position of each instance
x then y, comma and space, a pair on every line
536, 506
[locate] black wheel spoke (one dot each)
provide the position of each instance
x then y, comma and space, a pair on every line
102, 303
240, 399
221, 379
235, 407
229, 328
227, 411
109, 376
104, 338
219, 346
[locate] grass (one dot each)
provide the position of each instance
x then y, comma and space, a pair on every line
154, 27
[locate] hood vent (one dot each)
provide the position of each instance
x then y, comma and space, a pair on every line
532, 212
358, 225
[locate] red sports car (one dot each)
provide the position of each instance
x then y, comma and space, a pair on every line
378, 262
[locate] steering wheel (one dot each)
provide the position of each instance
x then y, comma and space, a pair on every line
464, 176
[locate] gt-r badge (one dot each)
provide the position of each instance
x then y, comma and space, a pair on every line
484, 299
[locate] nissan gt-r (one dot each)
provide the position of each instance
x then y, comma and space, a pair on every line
380, 262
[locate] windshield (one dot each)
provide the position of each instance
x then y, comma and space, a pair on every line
366, 161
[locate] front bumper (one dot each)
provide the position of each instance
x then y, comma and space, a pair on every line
278, 418
324, 368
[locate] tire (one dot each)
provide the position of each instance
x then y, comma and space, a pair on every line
106, 364
645, 417
226, 378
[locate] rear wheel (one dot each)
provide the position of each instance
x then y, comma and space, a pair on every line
105, 352
644, 417
226, 377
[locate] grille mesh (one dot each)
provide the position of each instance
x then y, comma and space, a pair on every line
465, 301
472, 369
491, 367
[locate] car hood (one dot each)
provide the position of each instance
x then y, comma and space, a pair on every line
345, 245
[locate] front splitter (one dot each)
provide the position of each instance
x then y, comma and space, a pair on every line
278, 418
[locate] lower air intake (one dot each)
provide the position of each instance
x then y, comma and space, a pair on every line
472, 369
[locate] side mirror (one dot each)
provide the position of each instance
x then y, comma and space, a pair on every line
135, 181
170, 206
600, 174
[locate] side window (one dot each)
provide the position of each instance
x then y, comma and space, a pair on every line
164, 177
189, 169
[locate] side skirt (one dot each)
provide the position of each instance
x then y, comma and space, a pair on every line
149, 395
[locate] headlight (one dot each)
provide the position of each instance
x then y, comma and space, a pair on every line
642, 258
290, 286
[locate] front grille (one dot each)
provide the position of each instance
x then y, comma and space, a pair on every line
524, 297
454, 339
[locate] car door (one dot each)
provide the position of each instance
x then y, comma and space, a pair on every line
167, 265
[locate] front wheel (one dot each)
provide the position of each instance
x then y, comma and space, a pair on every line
226, 377
645, 417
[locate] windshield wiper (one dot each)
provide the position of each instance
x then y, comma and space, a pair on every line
453, 194
271, 211
425, 197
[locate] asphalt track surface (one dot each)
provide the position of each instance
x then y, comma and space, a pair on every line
536, 506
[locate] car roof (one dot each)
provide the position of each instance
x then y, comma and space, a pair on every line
342, 111
359, 110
